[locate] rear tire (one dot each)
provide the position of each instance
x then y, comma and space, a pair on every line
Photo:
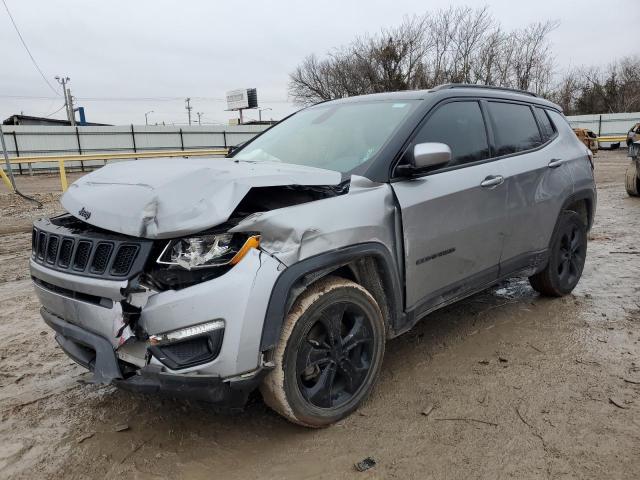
329, 354
567, 256
632, 182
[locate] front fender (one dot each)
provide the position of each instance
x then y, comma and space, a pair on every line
279, 303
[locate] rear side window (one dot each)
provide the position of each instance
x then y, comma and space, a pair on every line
546, 128
461, 126
561, 123
515, 129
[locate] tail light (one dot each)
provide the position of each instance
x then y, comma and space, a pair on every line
590, 157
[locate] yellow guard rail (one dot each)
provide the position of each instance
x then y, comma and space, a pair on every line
60, 160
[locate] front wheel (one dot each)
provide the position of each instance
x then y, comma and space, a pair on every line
567, 255
329, 355
632, 182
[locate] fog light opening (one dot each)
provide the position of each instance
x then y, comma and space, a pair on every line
185, 333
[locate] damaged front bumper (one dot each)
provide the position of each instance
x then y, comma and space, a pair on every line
87, 315
96, 354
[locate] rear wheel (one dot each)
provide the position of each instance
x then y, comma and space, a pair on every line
632, 182
329, 355
567, 255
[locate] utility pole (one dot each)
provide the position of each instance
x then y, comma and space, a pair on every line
146, 118
68, 99
189, 108
199, 115
72, 112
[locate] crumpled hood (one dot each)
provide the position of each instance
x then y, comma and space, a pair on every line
167, 198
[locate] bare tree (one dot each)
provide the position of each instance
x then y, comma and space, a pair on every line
310, 82
487, 69
469, 30
613, 89
461, 44
567, 90
629, 68
458, 44
532, 61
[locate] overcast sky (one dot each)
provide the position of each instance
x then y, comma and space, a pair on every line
128, 57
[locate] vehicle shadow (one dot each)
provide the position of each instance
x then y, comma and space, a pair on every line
429, 336
163, 430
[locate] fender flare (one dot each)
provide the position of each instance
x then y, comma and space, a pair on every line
585, 194
279, 299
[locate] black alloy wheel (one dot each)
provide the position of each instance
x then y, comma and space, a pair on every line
572, 253
329, 355
567, 256
333, 361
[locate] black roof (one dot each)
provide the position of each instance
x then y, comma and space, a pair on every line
455, 89
31, 120
485, 87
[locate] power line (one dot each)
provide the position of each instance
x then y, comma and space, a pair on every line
33, 60
53, 113
133, 99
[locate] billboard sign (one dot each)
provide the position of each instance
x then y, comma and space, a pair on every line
242, 98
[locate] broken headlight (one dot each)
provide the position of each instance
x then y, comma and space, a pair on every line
205, 251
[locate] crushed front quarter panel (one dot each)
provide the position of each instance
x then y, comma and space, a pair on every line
239, 298
365, 214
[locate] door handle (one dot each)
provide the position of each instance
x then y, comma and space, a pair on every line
492, 181
555, 163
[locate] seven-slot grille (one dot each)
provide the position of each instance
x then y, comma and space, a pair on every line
90, 253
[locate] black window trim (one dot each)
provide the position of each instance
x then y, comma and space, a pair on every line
489, 129
553, 125
535, 120
531, 107
403, 151
556, 131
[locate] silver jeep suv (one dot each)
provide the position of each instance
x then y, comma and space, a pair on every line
287, 265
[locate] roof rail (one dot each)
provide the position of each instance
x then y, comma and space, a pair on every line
474, 85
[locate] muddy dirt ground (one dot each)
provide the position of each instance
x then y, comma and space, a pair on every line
505, 384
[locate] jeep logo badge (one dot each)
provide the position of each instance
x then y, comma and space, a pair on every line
84, 213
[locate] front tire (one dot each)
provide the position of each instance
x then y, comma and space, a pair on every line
567, 256
329, 354
632, 182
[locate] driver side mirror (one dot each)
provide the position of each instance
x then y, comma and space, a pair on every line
425, 157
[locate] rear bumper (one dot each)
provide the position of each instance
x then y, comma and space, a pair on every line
98, 355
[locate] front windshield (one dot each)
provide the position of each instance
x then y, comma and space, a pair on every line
339, 136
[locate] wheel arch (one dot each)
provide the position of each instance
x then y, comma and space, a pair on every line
583, 202
369, 264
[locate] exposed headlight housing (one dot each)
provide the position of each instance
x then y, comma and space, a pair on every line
206, 251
